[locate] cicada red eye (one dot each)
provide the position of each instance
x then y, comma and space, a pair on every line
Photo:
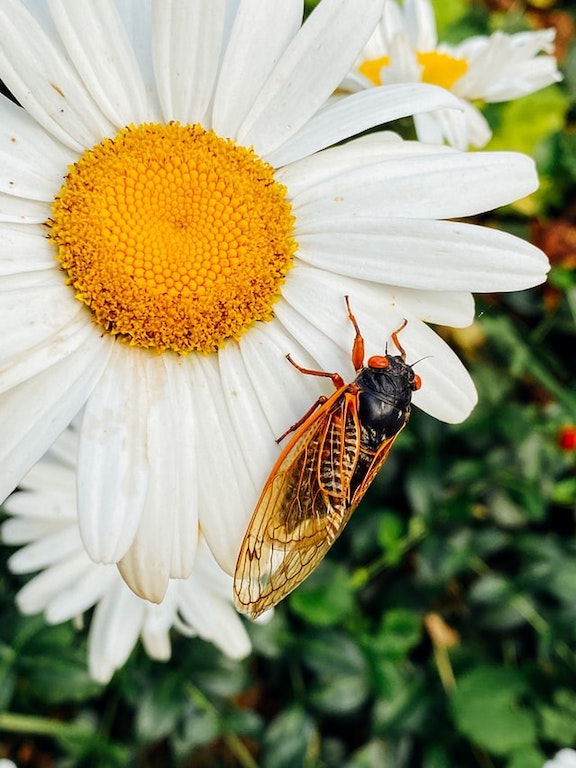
417, 382
378, 361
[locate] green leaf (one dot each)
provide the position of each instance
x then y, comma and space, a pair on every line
486, 709
527, 757
288, 739
57, 680
159, 709
527, 120
342, 675
400, 630
558, 720
326, 597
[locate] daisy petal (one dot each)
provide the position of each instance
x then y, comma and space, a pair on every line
309, 71
284, 393
387, 189
187, 42
33, 163
38, 74
165, 543
113, 632
445, 255
81, 593
43, 588
47, 551
252, 429
223, 516
113, 465
259, 36
24, 248
215, 620
33, 414
137, 19
41, 346
23, 211
359, 112
97, 43
322, 349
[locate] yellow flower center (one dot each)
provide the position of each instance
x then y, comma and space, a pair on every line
437, 68
174, 237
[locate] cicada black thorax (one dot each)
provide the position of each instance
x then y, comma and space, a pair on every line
383, 408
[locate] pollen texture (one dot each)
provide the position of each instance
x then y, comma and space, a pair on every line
174, 238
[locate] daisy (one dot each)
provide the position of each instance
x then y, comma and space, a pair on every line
175, 219
404, 48
44, 523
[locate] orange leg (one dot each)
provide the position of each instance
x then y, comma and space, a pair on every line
358, 346
321, 400
397, 344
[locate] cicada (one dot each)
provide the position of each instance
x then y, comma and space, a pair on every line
320, 477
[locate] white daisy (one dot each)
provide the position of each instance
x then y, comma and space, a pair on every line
187, 253
44, 523
404, 48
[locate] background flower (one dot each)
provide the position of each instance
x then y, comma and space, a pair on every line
404, 48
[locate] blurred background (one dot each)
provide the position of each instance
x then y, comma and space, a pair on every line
440, 631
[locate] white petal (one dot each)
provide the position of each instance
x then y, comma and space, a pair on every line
38, 74
327, 355
449, 186
49, 550
47, 495
17, 531
252, 429
309, 71
259, 36
25, 248
436, 255
156, 642
36, 594
285, 394
359, 112
33, 164
165, 543
462, 130
214, 619
227, 494
303, 174
97, 43
81, 593
137, 18
114, 631
23, 211
35, 412
113, 465
420, 24
448, 393
187, 41
37, 354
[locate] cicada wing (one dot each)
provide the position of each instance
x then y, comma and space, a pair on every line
303, 507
